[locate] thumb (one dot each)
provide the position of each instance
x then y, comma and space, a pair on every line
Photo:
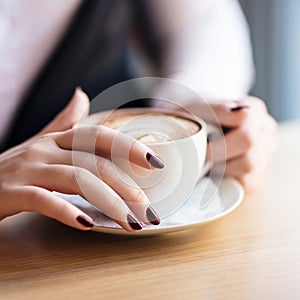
77, 108
230, 114
226, 113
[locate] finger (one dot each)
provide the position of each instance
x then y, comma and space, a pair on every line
42, 201
227, 114
106, 141
237, 167
238, 141
245, 169
255, 130
75, 180
77, 108
114, 177
235, 143
233, 114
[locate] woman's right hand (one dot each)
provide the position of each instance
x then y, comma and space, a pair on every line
30, 172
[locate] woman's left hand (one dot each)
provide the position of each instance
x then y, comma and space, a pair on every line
249, 134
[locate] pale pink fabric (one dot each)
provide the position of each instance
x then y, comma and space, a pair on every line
29, 31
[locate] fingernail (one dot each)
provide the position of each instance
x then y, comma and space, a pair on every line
240, 107
226, 129
154, 161
79, 88
84, 221
133, 222
152, 216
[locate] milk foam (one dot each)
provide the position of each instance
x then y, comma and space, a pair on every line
151, 127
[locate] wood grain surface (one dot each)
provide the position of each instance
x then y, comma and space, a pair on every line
254, 253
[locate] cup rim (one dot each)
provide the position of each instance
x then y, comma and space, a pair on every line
94, 118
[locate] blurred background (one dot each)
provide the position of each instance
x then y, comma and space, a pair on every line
274, 28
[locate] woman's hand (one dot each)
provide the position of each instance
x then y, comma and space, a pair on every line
249, 135
45, 163
249, 138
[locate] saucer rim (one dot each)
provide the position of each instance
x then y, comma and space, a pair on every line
180, 227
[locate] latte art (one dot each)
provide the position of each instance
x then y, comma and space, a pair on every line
151, 128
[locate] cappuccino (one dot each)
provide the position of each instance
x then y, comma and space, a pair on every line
152, 127
178, 139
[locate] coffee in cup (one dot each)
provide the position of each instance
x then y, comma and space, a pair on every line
179, 140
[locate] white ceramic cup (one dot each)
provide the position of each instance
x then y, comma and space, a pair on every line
184, 157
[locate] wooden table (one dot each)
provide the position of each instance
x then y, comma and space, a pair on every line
254, 253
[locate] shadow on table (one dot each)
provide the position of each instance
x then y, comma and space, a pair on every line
38, 246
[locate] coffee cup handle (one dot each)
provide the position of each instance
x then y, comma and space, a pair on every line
213, 132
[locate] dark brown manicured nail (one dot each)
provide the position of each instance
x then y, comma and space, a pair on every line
226, 129
240, 107
154, 161
83, 221
133, 222
152, 216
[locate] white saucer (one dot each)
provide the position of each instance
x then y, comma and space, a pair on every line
208, 203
